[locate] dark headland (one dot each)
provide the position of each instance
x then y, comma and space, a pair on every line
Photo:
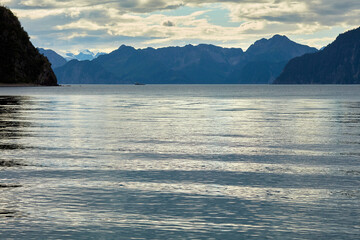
338, 63
21, 64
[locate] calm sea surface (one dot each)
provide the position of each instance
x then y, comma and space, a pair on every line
180, 162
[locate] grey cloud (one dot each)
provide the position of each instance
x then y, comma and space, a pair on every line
109, 12
129, 3
324, 12
168, 24
135, 6
321, 11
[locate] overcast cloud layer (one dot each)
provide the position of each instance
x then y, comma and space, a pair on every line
65, 25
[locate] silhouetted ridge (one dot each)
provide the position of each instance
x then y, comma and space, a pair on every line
55, 59
278, 48
20, 61
338, 63
201, 64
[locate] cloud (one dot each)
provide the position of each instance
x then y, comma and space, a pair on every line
168, 23
272, 11
277, 10
135, 6
150, 22
324, 12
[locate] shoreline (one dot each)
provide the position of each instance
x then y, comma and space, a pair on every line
23, 85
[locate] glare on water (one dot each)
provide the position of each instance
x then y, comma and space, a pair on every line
172, 161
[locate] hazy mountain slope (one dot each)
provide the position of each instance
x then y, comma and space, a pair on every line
84, 72
338, 63
189, 64
266, 58
55, 59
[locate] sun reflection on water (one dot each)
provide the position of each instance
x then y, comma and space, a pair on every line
165, 162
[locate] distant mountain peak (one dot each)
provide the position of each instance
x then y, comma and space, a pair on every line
87, 51
279, 37
123, 46
125, 49
84, 54
276, 39
278, 47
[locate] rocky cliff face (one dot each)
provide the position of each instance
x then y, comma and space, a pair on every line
338, 63
20, 61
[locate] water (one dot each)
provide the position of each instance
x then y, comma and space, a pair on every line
180, 162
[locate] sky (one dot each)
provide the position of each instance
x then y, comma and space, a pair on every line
73, 25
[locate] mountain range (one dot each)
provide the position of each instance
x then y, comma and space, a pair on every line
267, 59
338, 63
261, 63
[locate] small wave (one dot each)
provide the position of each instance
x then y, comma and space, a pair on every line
10, 186
4, 213
352, 172
348, 193
11, 163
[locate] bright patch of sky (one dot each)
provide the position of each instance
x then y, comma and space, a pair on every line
321, 38
221, 17
215, 14
181, 11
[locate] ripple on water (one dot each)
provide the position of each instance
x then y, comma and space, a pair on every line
184, 162
11, 163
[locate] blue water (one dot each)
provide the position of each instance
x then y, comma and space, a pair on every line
180, 162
